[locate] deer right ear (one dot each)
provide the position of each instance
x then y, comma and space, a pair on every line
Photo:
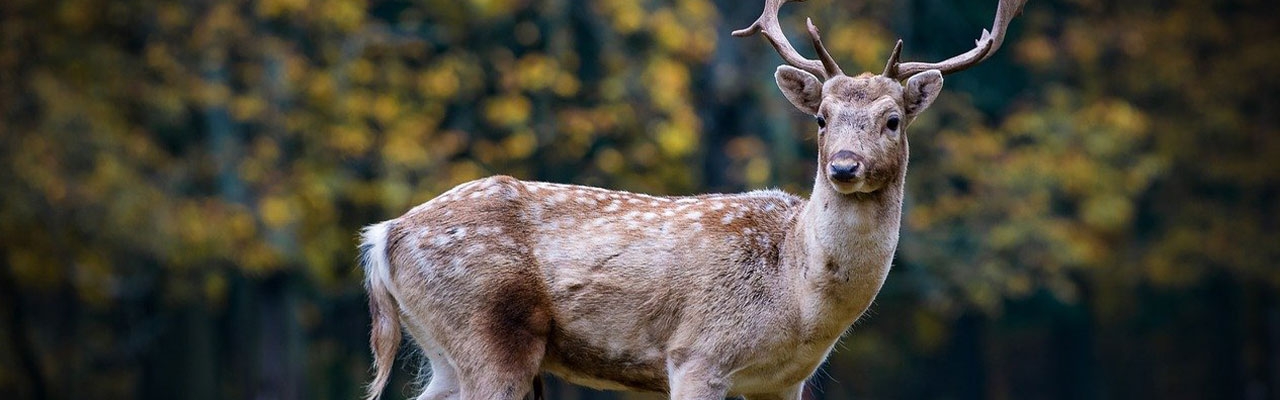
801, 88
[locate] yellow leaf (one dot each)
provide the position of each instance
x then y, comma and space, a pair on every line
610, 160
276, 211
565, 86
674, 140
757, 171
520, 144
247, 107
509, 110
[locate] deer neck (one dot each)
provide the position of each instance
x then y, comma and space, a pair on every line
846, 243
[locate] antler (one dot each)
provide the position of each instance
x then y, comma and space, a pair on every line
986, 46
768, 25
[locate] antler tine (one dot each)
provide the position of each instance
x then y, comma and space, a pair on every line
985, 46
891, 67
828, 63
768, 25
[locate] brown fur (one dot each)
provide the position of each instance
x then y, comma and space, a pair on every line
701, 297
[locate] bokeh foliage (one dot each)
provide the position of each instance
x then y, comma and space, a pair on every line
1095, 211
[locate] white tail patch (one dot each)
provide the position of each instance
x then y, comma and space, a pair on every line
383, 306
373, 254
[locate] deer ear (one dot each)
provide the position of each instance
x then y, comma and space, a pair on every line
801, 88
922, 89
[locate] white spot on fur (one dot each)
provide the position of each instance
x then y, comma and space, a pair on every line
614, 206
727, 219
764, 241
440, 240
650, 216
715, 205
694, 215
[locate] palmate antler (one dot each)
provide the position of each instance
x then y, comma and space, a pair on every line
986, 45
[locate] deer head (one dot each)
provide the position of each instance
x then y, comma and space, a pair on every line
862, 144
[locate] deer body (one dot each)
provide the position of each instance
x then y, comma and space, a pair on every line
623, 287
700, 297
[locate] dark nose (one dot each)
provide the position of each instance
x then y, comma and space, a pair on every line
844, 166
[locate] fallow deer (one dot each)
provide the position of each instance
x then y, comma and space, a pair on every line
700, 297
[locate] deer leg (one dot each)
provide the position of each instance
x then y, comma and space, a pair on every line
482, 369
444, 380
443, 377
697, 380
507, 340
490, 368
504, 376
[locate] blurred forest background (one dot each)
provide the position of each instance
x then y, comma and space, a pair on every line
1092, 213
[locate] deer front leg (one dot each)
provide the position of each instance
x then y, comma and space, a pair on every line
696, 378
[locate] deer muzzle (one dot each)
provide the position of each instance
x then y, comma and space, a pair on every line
845, 167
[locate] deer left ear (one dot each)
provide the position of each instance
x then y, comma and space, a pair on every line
921, 90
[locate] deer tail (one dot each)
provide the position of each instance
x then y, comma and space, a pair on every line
384, 339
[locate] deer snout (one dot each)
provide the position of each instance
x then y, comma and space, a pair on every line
844, 166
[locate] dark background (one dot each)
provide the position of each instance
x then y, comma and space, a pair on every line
1092, 213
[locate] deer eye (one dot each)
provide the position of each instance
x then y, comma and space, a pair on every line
822, 122
893, 123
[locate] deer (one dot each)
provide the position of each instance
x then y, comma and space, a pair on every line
500, 280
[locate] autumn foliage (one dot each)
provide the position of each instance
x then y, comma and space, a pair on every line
1094, 212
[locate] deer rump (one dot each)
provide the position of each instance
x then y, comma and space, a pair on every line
602, 288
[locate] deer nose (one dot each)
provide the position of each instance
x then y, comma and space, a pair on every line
844, 166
